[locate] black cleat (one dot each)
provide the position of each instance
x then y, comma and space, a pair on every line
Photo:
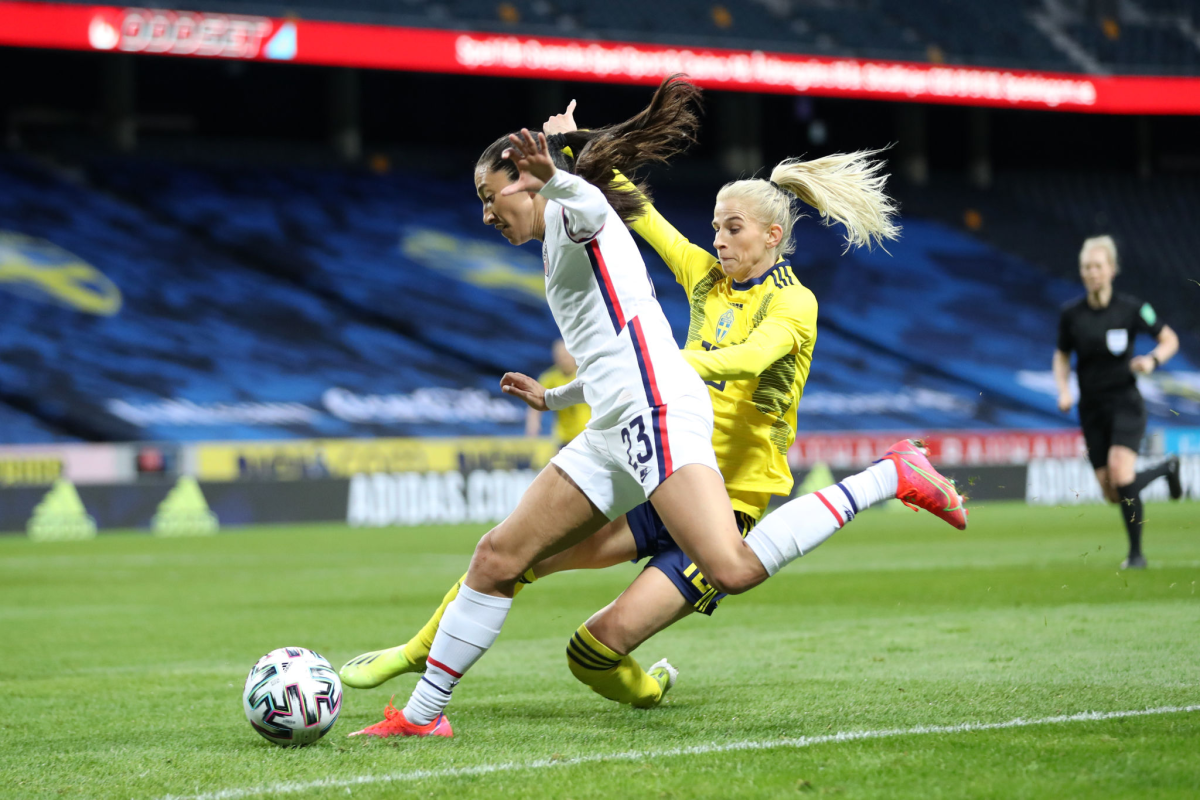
1134, 562
1173, 481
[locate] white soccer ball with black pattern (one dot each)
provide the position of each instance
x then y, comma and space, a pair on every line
292, 696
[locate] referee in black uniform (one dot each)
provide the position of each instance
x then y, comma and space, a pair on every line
1101, 329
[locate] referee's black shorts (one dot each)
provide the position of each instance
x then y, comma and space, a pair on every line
1112, 419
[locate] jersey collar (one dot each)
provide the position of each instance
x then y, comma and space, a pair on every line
780, 265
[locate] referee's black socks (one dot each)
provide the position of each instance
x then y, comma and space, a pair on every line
1142, 479
1131, 513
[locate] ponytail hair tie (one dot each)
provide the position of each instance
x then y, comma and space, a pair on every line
776, 185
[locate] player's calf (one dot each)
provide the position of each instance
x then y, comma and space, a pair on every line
801, 525
614, 675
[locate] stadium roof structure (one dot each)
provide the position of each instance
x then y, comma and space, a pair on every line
767, 59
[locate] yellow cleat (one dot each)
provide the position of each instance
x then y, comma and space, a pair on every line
665, 674
371, 669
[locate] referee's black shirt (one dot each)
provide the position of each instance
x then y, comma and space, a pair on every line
1103, 339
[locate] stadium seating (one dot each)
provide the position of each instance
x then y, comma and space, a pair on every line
198, 323
1139, 48
1155, 37
250, 293
1044, 215
19, 428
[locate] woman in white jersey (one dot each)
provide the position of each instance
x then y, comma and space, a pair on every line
651, 428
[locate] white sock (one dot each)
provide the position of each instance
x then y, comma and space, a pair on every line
797, 527
874, 484
469, 627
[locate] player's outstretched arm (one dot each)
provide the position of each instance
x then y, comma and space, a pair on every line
532, 158
561, 123
688, 262
538, 397
526, 389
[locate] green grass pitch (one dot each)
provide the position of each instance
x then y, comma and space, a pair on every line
122, 661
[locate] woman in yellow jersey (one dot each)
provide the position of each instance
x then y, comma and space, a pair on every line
568, 422
750, 337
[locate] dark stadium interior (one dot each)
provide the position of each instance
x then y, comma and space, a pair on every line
258, 315
1159, 36
246, 167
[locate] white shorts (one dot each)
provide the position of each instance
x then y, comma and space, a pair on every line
619, 467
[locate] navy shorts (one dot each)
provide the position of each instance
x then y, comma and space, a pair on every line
655, 543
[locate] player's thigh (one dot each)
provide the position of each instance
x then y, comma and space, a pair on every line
611, 545
1122, 465
649, 605
553, 514
695, 508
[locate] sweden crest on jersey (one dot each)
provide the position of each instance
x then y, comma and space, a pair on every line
724, 325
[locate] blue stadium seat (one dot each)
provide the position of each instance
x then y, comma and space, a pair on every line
248, 286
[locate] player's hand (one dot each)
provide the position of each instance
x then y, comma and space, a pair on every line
532, 157
1065, 402
1141, 365
561, 123
526, 388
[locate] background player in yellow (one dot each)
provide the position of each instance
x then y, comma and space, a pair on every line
751, 337
568, 422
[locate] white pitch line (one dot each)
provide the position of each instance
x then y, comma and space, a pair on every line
638, 755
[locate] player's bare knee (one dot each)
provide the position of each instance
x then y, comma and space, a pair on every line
608, 629
738, 576
729, 579
492, 566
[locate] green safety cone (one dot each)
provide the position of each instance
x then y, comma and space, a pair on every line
184, 512
821, 476
817, 478
61, 516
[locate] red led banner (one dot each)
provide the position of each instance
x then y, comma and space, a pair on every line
212, 35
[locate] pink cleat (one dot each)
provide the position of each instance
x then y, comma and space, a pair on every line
394, 724
922, 486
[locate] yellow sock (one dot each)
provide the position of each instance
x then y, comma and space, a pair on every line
417, 648
609, 673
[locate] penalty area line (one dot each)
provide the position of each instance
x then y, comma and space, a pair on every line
408, 776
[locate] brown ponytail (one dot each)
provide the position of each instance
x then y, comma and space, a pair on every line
662, 130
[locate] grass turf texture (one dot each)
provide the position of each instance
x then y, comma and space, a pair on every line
123, 660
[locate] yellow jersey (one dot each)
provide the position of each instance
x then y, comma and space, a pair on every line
752, 343
568, 422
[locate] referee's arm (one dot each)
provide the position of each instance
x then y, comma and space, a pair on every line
1168, 346
1062, 377
1062, 362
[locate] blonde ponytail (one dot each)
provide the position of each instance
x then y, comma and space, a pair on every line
846, 188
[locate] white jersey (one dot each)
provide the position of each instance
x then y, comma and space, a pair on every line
603, 301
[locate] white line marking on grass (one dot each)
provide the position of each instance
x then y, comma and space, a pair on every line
638, 755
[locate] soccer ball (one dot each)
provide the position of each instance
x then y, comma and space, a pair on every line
292, 696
